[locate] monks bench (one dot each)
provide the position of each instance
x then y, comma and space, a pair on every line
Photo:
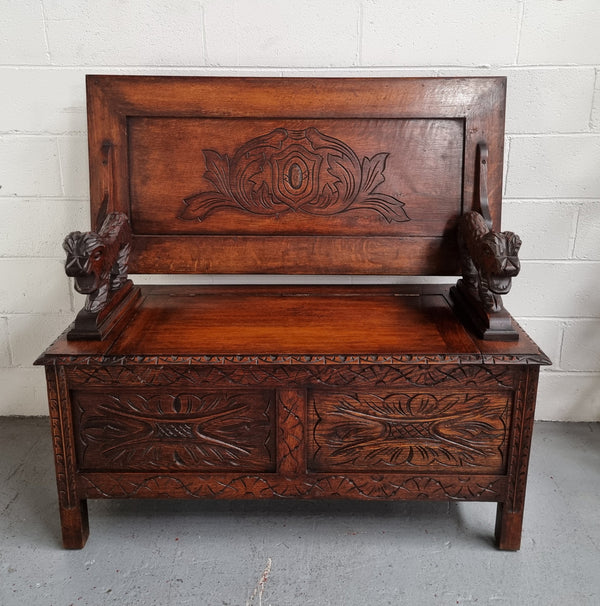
377, 390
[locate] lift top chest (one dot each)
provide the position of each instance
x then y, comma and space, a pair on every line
275, 389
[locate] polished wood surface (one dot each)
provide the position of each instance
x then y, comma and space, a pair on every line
256, 322
362, 392
305, 321
308, 176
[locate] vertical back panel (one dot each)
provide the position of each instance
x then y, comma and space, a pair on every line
306, 176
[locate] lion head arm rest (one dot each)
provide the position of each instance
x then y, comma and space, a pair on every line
97, 261
489, 261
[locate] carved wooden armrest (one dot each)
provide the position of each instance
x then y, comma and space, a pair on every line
489, 261
97, 260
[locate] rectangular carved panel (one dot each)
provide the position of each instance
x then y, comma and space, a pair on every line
168, 430
391, 431
299, 177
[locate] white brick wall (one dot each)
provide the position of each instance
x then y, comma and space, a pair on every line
548, 49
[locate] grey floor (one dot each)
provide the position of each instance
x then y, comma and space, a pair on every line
289, 553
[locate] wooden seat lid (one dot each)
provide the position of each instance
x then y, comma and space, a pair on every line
294, 324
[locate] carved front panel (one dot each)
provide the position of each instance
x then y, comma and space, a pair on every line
207, 430
391, 431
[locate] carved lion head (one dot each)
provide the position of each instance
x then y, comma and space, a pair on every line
86, 260
499, 261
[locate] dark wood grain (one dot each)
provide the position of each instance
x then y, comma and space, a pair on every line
233, 392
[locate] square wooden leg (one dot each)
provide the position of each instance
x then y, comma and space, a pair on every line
508, 528
75, 526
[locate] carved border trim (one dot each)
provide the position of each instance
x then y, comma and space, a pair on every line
484, 377
367, 359
524, 412
369, 487
62, 431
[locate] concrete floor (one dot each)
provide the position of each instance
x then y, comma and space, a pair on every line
288, 553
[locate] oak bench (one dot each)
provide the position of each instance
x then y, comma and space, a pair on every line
405, 390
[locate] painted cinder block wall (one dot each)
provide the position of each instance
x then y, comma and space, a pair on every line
548, 49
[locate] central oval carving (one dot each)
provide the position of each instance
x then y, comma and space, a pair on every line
295, 176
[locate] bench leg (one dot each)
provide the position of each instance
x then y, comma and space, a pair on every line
74, 524
508, 528
73, 509
509, 516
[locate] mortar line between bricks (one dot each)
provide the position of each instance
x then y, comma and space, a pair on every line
45, 24
204, 36
360, 32
575, 232
558, 198
23, 198
546, 135
595, 93
9, 349
560, 261
519, 31
558, 318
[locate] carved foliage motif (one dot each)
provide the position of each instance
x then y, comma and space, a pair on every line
371, 487
367, 431
215, 430
302, 171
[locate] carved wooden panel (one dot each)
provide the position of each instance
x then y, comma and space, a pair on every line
184, 430
381, 143
301, 171
297, 177
421, 431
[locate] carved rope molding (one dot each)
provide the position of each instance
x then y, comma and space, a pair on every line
303, 171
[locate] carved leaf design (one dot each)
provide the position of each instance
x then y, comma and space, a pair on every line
372, 172
255, 179
275, 485
200, 206
187, 430
387, 206
420, 430
217, 171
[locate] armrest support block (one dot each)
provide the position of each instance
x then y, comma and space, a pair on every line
489, 260
98, 263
